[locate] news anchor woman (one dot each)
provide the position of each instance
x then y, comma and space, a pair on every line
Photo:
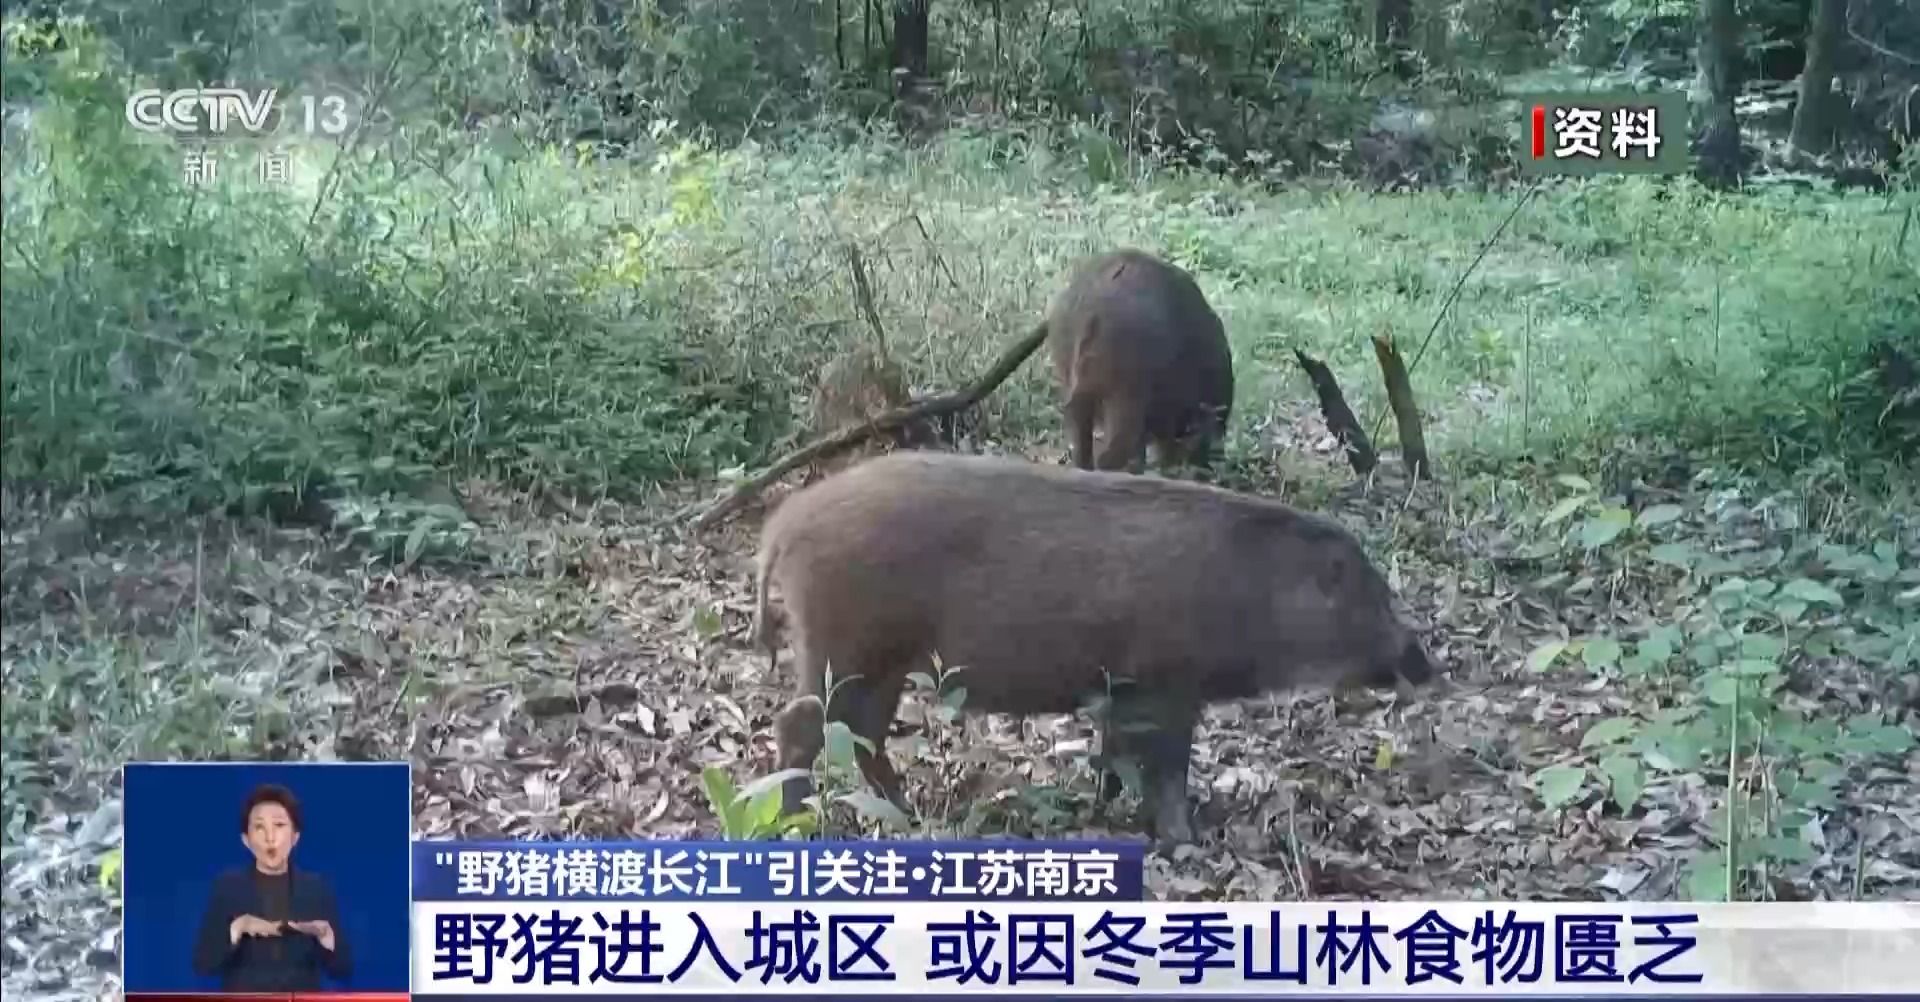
269, 927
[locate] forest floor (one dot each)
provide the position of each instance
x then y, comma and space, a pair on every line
576, 675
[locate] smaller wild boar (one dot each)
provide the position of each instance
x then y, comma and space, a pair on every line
1033, 578
1137, 350
855, 386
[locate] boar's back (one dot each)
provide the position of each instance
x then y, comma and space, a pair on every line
1140, 324
1033, 577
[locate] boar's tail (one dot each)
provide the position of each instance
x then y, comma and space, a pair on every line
764, 633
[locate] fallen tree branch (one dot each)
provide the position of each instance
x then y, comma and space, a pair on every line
852, 435
1340, 418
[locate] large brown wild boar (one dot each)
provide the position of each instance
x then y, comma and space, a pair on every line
1033, 578
1137, 350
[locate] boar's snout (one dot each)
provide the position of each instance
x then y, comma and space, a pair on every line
1383, 676
1415, 665
799, 734
1404, 662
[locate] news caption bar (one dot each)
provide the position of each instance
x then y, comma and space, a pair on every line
1059, 919
770, 872
1605, 132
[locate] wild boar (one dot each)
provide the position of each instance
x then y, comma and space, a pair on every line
1138, 351
1034, 578
853, 387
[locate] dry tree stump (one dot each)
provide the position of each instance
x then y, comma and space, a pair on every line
1340, 418
1406, 411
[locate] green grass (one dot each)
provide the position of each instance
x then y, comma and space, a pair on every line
458, 308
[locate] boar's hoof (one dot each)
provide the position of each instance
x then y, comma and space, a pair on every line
1174, 828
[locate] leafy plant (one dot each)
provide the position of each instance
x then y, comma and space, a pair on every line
112, 874
752, 812
842, 782
1720, 671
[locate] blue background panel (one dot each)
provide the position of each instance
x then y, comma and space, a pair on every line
183, 830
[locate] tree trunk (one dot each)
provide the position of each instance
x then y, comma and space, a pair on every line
1813, 113
1392, 26
910, 42
1718, 161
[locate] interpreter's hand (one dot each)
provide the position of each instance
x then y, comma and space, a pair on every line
251, 925
319, 929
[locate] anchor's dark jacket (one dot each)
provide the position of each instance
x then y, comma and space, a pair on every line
291, 962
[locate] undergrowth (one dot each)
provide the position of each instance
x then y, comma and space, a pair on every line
1759, 672
421, 306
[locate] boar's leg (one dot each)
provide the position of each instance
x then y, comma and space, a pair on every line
865, 705
1125, 424
1122, 716
1168, 758
799, 729
1110, 782
1199, 451
1175, 457
1081, 410
1192, 449
871, 702
1158, 732
1168, 751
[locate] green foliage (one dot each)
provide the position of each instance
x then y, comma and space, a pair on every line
1224, 81
441, 308
115, 697
752, 812
112, 871
242, 346
842, 782
443, 53
1767, 360
1257, 88
1746, 622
